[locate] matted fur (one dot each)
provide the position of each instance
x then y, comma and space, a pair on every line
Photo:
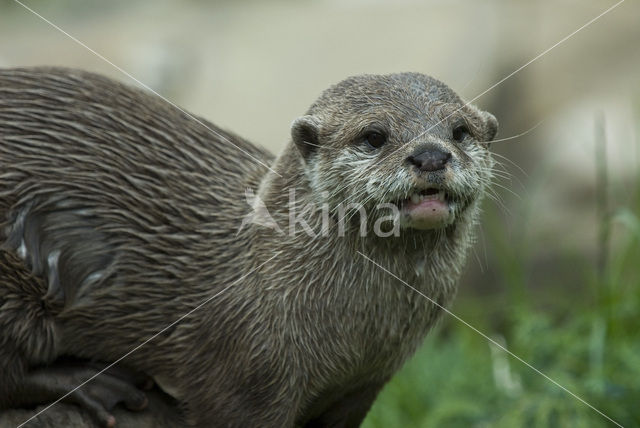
119, 213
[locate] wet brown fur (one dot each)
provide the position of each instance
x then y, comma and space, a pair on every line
143, 205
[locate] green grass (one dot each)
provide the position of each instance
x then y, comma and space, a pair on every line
588, 342
592, 351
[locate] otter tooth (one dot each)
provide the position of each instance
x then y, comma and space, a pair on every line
441, 195
138, 253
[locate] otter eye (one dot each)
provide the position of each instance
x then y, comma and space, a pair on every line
460, 132
375, 139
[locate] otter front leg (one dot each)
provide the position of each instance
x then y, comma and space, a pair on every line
98, 396
348, 411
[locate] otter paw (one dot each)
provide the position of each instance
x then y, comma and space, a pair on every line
82, 383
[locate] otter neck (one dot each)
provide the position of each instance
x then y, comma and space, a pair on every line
298, 221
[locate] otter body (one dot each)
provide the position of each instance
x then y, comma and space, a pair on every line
119, 214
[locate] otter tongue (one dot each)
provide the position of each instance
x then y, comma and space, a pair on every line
428, 212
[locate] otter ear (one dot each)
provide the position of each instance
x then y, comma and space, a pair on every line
304, 132
490, 126
485, 122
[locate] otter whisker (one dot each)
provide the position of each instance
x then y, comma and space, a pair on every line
121, 212
511, 162
495, 184
492, 195
522, 134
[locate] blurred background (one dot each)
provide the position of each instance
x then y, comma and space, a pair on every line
555, 273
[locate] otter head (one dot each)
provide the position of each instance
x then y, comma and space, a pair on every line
405, 140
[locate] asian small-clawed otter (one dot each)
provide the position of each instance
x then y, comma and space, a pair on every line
120, 213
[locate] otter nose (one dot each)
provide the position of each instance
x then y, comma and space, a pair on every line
429, 159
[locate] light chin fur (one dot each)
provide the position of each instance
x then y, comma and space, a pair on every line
303, 329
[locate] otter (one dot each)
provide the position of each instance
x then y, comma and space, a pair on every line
120, 213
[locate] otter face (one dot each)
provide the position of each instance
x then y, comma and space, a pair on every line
402, 139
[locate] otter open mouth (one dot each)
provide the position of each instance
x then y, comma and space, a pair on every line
430, 193
427, 208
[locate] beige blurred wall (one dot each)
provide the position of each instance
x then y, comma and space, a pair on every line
253, 66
